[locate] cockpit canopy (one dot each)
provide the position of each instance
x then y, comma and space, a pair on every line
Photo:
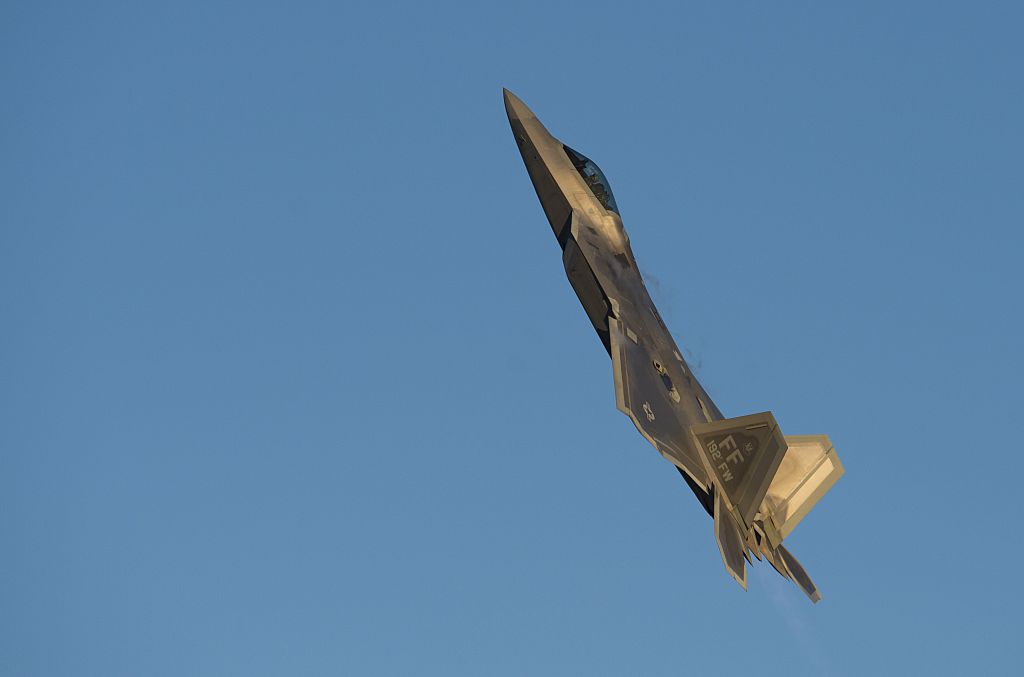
594, 178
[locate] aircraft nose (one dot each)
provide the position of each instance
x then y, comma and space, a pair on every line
514, 107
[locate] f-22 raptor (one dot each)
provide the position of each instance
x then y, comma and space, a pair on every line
755, 482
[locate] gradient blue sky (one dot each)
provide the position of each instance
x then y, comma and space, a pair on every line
292, 382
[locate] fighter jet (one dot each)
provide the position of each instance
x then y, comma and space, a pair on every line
756, 483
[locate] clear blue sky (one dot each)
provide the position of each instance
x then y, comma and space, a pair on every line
292, 382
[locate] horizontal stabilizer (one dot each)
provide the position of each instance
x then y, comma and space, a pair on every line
790, 568
799, 576
730, 542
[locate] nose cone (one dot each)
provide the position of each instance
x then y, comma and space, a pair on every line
515, 108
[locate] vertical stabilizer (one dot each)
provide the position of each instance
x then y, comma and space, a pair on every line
808, 470
741, 456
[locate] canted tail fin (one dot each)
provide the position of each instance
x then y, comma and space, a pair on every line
808, 470
741, 456
763, 483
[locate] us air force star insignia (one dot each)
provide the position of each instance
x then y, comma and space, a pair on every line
648, 411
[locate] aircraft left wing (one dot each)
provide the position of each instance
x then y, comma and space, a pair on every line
649, 401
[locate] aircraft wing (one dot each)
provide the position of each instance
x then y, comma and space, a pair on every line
650, 402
